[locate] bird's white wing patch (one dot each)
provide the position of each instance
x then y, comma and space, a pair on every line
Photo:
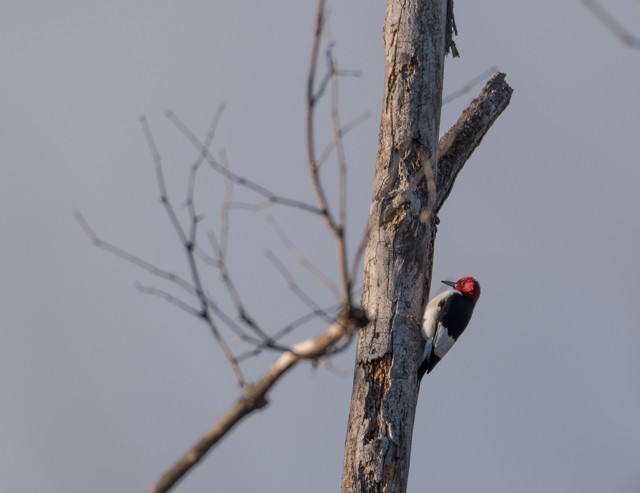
443, 342
432, 311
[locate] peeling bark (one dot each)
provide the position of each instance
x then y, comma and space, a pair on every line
399, 252
410, 186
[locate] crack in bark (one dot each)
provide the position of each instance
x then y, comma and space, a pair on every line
378, 369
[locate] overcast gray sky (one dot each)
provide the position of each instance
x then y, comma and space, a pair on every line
103, 387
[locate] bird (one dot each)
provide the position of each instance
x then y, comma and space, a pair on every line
445, 317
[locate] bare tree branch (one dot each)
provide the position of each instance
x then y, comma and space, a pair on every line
299, 322
202, 313
137, 261
303, 260
331, 312
294, 287
343, 255
337, 227
270, 197
164, 196
340, 154
414, 151
175, 279
219, 261
174, 300
312, 99
342, 132
255, 396
456, 146
469, 85
342, 320
226, 207
611, 23
188, 244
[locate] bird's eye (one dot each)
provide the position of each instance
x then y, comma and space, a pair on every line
462, 283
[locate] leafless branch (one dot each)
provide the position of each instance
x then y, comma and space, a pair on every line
178, 281
164, 197
337, 227
294, 287
340, 152
174, 300
173, 278
299, 322
457, 145
219, 260
611, 23
342, 320
137, 261
312, 99
254, 396
469, 85
303, 260
271, 198
188, 244
226, 206
220, 263
198, 163
338, 136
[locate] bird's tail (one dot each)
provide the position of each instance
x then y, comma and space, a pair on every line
422, 369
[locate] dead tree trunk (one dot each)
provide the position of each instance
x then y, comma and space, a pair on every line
399, 252
409, 188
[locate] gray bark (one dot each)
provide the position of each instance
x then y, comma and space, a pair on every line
410, 186
399, 252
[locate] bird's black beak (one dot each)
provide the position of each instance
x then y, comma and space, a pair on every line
449, 283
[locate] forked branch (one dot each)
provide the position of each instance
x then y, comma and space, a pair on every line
255, 396
349, 318
341, 320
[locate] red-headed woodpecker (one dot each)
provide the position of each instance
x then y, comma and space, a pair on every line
445, 318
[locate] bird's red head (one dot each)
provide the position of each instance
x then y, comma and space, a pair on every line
468, 286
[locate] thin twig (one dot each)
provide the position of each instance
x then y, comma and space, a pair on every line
201, 158
263, 340
328, 150
312, 99
294, 287
226, 206
169, 276
303, 260
337, 227
220, 251
164, 196
174, 300
611, 23
307, 318
243, 314
240, 180
133, 259
255, 397
343, 256
469, 85
299, 322
188, 244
